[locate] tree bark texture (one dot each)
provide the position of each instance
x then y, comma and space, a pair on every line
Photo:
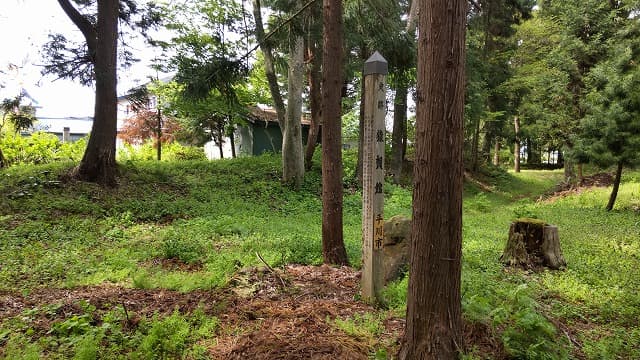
333, 250
363, 89
496, 153
292, 155
232, 140
475, 144
569, 173
315, 100
533, 243
580, 174
516, 145
399, 128
434, 324
616, 186
99, 161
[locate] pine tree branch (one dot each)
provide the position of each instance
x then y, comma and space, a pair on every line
84, 25
277, 28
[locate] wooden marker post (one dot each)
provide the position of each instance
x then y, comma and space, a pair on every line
375, 71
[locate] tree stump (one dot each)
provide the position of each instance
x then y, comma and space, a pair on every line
533, 243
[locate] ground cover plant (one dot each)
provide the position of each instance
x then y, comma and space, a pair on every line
198, 259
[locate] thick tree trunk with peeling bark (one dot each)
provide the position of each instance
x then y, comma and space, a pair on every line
533, 243
99, 161
292, 156
434, 323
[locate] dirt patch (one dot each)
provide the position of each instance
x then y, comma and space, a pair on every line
289, 316
138, 303
565, 189
264, 313
482, 339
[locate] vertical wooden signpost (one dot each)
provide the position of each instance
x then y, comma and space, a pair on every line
375, 71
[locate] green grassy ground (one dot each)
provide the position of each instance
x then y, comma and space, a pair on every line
212, 218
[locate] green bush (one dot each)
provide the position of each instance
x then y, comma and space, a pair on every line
39, 148
170, 152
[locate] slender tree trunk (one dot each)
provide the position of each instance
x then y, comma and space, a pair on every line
292, 155
159, 131
315, 101
616, 186
333, 250
269, 67
399, 126
434, 324
475, 143
232, 141
364, 56
516, 145
496, 153
220, 147
569, 173
99, 161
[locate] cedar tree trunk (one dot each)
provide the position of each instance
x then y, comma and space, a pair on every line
333, 250
434, 323
399, 128
616, 186
99, 161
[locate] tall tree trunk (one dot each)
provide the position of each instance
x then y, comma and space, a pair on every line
616, 186
399, 126
496, 153
269, 67
99, 161
159, 131
315, 100
569, 173
333, 250
232, 141
475, 143
364, 56
434, 324
292, 156
516, 145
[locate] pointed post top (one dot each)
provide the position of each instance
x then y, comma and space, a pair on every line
376, 64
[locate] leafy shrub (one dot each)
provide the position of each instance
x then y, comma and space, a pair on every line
166, 339
525, 209
170, 152
39, 148
189, 251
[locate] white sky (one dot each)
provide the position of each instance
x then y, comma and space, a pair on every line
24, 26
